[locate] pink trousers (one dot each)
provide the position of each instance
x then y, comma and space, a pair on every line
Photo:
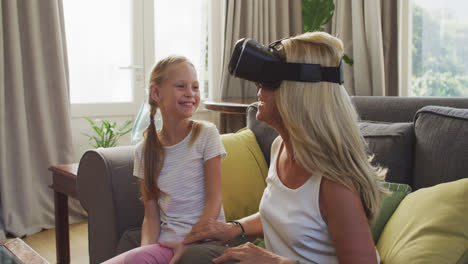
150, 254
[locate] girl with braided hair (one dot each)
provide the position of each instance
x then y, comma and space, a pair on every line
179, 166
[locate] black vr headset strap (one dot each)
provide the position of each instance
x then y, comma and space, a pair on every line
333, 74
302, 72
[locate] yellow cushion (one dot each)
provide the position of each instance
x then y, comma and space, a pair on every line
429, 226
244, 172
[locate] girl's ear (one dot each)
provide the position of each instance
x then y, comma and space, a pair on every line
155, 92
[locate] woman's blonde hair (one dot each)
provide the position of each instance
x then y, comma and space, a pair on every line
153, 150
321, 122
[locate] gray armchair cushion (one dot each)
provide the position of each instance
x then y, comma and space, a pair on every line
264, 133
392, 147
441, 149
109, 193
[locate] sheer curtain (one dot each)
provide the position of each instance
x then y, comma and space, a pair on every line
369, 30
35, 130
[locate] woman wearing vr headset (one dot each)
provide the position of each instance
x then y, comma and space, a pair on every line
322, 192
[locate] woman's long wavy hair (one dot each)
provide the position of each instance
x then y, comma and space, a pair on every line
153, 150
321, 122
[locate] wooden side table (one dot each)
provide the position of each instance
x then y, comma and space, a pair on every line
64, 186
16, 251
228, 107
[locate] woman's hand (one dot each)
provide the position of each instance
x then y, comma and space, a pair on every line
212, 229
248, 253
178, 248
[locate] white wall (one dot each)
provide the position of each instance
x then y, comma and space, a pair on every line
80, 126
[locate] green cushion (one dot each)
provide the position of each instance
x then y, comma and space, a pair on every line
243, 174
259, 242
429, 226
389, 205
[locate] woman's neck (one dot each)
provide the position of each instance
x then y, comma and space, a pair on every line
174, 131
286, 141
289, 171
288, 148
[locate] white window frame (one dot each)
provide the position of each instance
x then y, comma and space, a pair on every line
143, 56
404, 48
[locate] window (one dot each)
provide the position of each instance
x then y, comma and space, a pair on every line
113, 45
439, 54
183, 31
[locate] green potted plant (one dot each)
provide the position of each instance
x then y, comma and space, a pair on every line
106, 132
315, 14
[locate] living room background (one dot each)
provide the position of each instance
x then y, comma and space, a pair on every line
37, 129
432, 30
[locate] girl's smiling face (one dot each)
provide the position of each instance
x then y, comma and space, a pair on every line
178, 96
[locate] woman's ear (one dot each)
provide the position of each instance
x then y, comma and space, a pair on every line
155, 92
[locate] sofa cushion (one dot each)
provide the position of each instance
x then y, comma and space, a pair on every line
429, 226
392, 147
244, 171
389, 204
441, 149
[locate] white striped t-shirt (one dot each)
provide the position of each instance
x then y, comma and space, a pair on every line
182, 181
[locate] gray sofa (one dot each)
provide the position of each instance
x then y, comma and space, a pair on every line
422, 141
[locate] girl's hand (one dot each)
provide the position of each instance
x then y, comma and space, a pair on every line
211, 229
178, 248
248, 253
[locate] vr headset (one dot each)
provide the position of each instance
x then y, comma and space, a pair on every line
252, 61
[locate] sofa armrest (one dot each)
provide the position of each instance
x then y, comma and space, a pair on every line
109, 192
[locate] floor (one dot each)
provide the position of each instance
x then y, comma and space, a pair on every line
44, 243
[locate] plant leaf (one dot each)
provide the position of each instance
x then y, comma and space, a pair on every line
103, 134
107, 133
89, 120
98, 143
316, 13
106, 124
110, 137
125, 125
348, 60
93, 125
87, 135
125, 128
113, 143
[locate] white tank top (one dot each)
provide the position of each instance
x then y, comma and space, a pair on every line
291, 220
292, 224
